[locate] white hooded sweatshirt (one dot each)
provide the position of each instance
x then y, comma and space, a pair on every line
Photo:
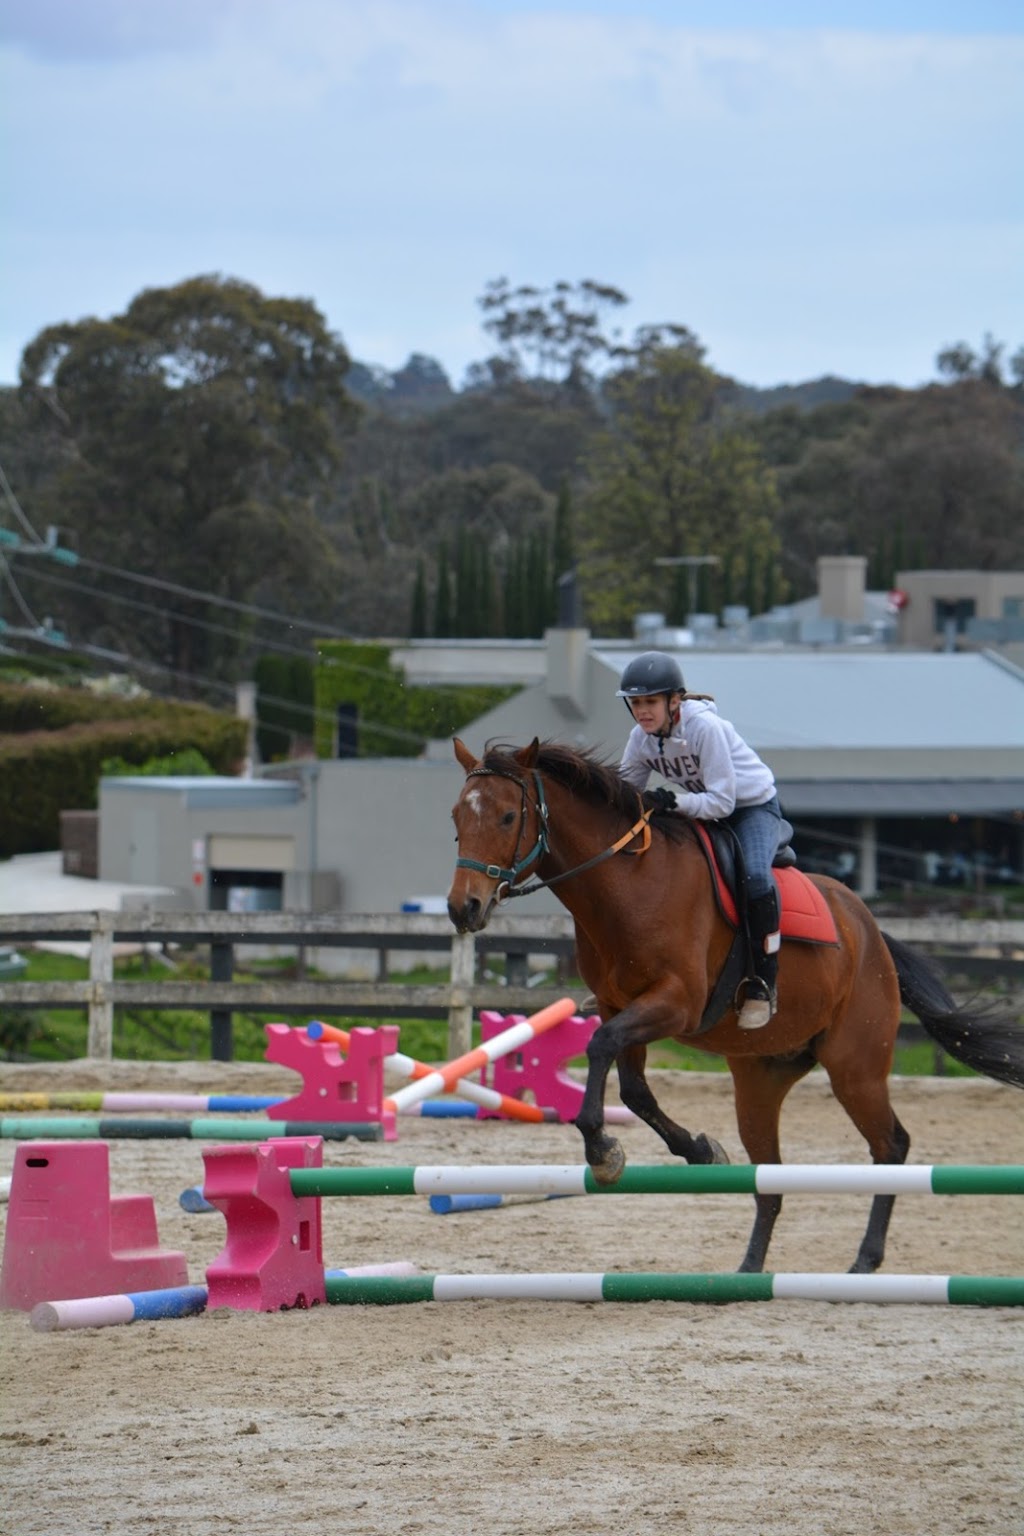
715, 767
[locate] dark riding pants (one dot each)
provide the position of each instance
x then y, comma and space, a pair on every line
758, 829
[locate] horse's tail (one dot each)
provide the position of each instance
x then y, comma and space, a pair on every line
982, 1037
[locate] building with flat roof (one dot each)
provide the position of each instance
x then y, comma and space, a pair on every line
895, 767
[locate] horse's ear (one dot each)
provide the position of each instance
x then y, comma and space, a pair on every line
464, 756
527, 756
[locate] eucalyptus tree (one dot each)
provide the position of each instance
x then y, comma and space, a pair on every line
673, 476
199, 429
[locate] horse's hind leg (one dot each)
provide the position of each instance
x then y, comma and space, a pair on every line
636, 1094
866, 1101
760, 1084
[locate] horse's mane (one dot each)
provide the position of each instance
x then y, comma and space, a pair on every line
583, 772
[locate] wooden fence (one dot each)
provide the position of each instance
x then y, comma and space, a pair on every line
974, 950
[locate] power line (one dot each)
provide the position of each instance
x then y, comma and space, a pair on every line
207, 624
16, 508
12, 587
104, 653
167, 613
212, 597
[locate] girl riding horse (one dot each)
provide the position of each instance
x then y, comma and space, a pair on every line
651, 942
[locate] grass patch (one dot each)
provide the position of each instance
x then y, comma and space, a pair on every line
153, 1034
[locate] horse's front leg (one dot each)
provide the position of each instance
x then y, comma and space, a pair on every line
637, 1095
603, 1152
624, 1038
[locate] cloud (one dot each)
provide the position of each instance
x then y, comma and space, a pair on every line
387, 159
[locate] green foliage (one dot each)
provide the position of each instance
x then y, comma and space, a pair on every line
153, 1034
213, 416
550, 332
189, 764
418, 615
284, 705
205, 437
394, 720
925, 479
563, 552
671, 478
54, 743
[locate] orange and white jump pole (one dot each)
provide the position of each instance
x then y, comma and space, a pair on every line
477, 1093
449, 1078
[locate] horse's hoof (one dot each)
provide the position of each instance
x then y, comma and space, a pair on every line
609, 1169
716, 1153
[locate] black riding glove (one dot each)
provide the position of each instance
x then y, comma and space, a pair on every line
660, 800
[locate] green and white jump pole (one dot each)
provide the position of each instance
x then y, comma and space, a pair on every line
663, 1179
951, 1290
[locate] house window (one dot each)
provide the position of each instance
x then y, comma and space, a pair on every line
348, 730
953, 612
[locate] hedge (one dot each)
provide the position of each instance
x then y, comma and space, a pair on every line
395, 719
44, 772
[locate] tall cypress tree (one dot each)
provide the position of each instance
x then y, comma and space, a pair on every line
484, 590
443, 596
752, 579
771, 584
727, 579
515, 589
418, 614
563, 553
680, 596
468, 617
538, 584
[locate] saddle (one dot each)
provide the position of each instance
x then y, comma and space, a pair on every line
804, 914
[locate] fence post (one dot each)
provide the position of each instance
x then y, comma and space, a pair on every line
460, 1014
100, 1040
222, 968
517, 970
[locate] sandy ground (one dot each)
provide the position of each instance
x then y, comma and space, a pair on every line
774, 1419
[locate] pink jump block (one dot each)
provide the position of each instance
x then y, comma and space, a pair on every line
538, 1069
335, 1087
68, 1236
273, 1255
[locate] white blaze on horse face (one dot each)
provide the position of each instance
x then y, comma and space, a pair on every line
474, 800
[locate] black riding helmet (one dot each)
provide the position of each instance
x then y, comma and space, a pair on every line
651, 672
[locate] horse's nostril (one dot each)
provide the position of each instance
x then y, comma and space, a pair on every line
465, 915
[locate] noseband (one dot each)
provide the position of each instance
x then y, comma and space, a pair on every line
508, 877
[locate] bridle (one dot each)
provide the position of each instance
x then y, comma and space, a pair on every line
507, 877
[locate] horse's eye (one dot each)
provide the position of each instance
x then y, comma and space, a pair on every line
508, 818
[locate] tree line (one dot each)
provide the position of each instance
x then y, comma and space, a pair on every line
224, 447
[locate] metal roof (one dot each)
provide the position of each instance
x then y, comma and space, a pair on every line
214, 792
851, 700
901, 797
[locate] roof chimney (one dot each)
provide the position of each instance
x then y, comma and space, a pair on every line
841, 582
568, 663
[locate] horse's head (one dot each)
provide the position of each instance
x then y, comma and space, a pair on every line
501, 829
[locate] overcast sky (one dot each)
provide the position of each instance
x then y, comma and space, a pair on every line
811, 188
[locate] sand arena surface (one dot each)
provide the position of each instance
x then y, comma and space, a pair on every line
773, 1419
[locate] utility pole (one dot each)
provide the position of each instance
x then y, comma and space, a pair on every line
692, 562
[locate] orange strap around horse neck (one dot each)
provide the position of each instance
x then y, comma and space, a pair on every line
638, 827
642, 826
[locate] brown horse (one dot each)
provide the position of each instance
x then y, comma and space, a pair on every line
650, 944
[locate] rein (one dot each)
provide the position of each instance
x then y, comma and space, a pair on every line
508, 877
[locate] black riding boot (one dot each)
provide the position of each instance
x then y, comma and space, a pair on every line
759, 990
